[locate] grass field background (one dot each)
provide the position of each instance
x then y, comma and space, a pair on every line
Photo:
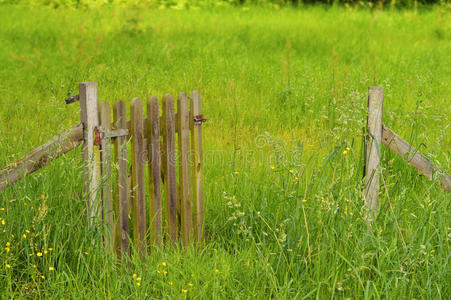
285, 91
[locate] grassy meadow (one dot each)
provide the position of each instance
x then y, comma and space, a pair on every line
286, 94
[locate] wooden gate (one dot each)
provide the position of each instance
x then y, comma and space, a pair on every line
164, 177
142, 168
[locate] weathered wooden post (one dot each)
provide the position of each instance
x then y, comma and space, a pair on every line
105, 159
154, 158
138, 169
90, 120
184, 173
196, 120
373, 150
121, 199
168, 160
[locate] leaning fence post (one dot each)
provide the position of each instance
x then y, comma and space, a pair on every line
373, 149
90, 120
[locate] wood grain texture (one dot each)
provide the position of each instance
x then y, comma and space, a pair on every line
373, 150
105, 162
89, 118
121, 196
197, 170
184, 165
138, 167
169, 166
41, 156
154, 158
415, 158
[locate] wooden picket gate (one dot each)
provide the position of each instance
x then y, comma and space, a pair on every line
151, 181
111, 185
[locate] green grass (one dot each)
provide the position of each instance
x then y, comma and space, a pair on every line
282, 88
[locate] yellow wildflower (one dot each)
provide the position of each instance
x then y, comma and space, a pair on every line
2, 208
236, 173
171, 283
3, 222
216, 271
39, 254
138, 283
27, 231
134, 275
8, 244
45, 252
138, 278
304, 201
291, 171
8, 266
7, 249
163, 264
86, 252
43, 197
51, 269
273, 168
190, 284
42, 276
34, 266
50, 249
184, 291
24, 236
165, 272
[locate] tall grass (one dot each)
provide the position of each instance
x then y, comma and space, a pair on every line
285, 91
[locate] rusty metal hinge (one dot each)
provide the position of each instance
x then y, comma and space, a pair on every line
100, 134
199, 119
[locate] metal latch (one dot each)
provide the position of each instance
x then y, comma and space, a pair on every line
100, 134
72, 99
199, 119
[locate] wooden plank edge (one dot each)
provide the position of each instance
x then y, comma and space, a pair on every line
416, 159
41, 156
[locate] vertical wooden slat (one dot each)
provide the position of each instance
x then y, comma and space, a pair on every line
168, 124
197, 170
105, 161
153, 150
138, 165
373, 149
184, 151
121, 199
89, 118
